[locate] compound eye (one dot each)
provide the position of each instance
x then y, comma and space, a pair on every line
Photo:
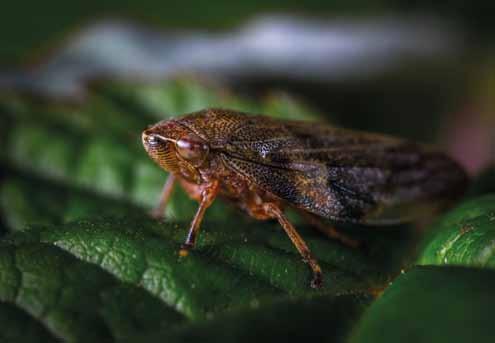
152, 140
192, 148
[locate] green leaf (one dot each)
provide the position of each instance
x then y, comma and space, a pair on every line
124, 277
260, 253
432, 304
72, 299
464, 236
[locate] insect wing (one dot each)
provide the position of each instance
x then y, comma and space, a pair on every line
341, 174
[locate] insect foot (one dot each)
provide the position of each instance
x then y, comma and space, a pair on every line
184, 249
317, 281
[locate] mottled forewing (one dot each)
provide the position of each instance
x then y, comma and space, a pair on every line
339, 174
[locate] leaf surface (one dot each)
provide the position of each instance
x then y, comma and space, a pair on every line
432, 304
464, 236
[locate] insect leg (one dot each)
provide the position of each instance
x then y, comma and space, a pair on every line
159, 210
328, 230
298, 241
207, 196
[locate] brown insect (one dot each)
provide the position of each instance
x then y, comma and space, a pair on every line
264, 165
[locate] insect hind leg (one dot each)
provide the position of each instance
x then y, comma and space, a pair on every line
274, 211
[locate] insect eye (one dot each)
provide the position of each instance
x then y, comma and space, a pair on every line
152, 140
192, 149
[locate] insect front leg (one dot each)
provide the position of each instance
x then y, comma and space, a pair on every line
208, 194
159, 211
298, 241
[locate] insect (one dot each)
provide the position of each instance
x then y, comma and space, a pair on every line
264, 165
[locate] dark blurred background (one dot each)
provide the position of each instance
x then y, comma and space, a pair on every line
420, 69
27, 28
